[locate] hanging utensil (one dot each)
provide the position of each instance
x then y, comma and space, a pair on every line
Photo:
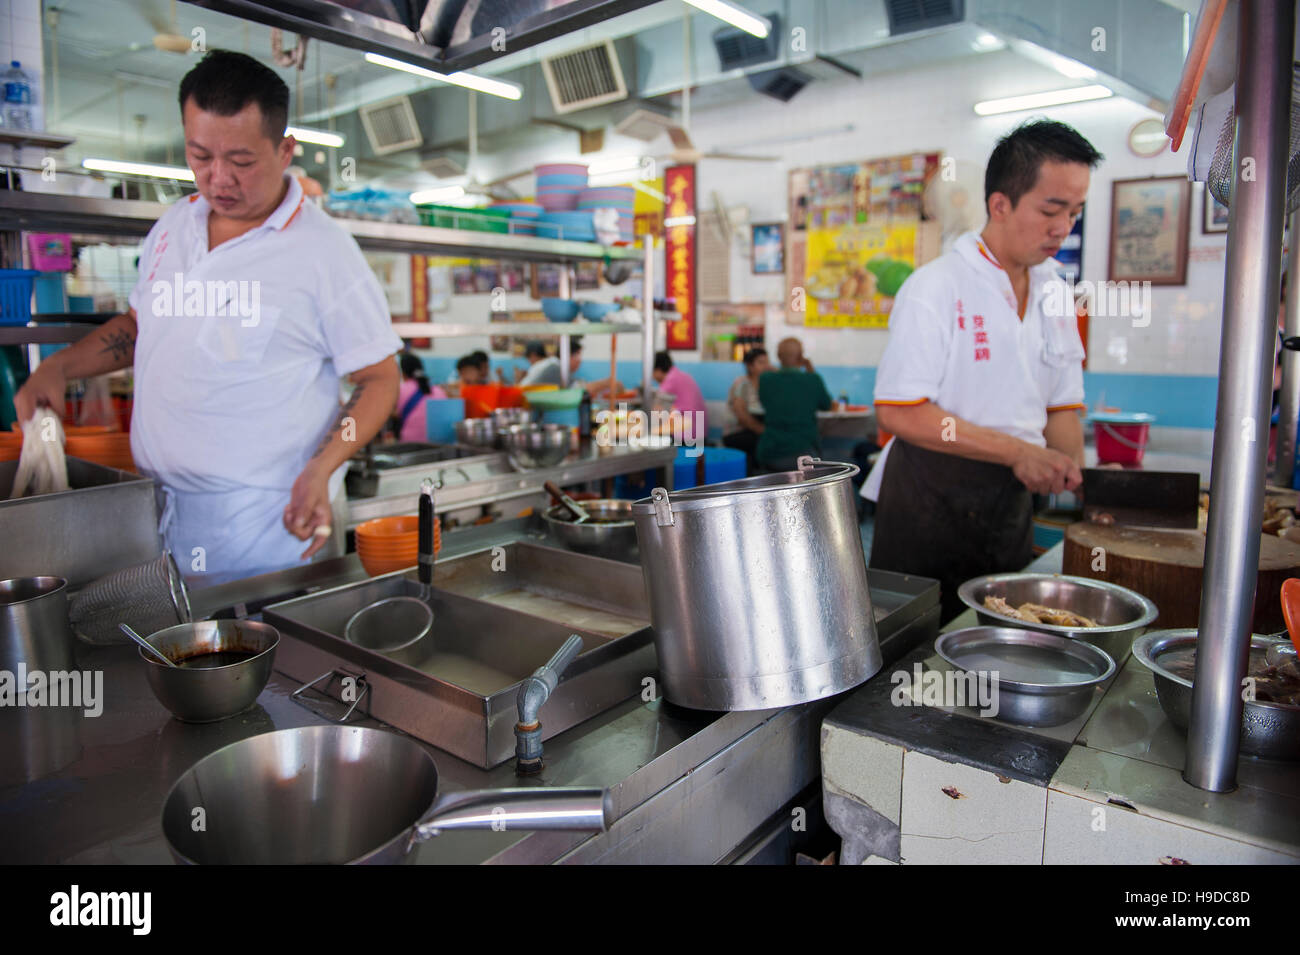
399, 627
574, 508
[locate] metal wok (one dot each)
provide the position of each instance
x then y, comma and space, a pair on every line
343, 794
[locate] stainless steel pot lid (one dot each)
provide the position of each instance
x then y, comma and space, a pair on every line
1026, 660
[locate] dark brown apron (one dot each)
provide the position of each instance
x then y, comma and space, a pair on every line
950, 518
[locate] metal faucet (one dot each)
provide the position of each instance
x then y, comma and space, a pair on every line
533, 694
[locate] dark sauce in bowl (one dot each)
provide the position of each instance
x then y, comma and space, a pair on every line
210, 661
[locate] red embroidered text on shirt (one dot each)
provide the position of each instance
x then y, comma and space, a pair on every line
158, 253
961, 319
981, 354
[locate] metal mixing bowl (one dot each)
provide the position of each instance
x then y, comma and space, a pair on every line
509, 417
608, 532
206, 695
476, 432
1055, 677
1121, 613
536, 445
1271, 730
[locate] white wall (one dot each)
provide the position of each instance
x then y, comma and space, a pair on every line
20, 39
929, 108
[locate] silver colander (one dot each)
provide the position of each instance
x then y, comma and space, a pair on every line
148, 596
1219, 179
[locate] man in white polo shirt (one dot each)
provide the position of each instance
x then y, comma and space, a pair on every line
982, 381
250, 307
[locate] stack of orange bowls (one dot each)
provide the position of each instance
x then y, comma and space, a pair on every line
101, 445
11, 445
386, 544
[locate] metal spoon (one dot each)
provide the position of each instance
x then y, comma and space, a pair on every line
147, 645
574, 508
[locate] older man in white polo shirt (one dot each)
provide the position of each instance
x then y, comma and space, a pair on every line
250, 307
982, 381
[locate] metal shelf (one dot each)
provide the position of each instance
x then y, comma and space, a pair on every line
33, 138
512, 329
52, 334
38, 211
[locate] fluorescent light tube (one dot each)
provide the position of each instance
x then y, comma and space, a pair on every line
735, 15
481, 84
443, 194
318, 137
181, 173
1012, 104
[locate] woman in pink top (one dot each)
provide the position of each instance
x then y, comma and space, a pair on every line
688, 397
415, 388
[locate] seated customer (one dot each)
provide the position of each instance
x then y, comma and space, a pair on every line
543, 369
414, 389
791, 398
468, 372
688, 399
744, 410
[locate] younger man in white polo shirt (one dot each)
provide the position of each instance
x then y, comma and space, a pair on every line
981, 382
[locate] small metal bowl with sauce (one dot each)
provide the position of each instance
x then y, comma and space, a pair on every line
609, 530
221, 667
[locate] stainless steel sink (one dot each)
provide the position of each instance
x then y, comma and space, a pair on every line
498, 615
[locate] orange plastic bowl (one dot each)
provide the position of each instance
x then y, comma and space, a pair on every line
376, 568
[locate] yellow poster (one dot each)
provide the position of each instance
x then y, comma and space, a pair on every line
856, 236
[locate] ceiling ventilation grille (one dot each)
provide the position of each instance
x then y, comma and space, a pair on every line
780, 84
909, 16
390, 125
738, 49
584, 78
644, 124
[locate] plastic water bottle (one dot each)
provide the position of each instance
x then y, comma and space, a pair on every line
18, 99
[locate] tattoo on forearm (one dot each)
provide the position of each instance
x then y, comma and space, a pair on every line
344, 413
119, 343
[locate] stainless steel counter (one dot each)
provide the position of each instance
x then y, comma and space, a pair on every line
464, 488
688, 787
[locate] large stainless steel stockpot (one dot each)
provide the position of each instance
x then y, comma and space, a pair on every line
758, 589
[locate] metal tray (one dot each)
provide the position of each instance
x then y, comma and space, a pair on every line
107, 520
463, 699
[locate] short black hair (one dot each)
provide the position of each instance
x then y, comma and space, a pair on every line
575, 345
467, 361
480, 356
753, 355
534, 348
1013, 168
224, 82
663, 361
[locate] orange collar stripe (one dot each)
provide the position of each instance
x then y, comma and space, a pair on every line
918, 401
984, 252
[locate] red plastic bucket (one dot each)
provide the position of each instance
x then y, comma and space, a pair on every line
1121, 439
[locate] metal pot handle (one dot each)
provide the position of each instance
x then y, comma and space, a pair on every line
663, 507
297, 697
576, 809
806, 462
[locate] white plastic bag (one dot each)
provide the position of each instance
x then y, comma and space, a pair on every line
42, 468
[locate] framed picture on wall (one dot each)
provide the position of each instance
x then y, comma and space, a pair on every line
768, 248
1148, 230
1214, 214
546, 280
587, 276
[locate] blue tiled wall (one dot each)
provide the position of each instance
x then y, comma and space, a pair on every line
1177, 401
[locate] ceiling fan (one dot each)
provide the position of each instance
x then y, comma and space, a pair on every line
166, 37
685, 151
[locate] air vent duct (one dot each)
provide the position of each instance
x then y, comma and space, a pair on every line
390, 125
738, 49
584, 78
780, 84
909, 16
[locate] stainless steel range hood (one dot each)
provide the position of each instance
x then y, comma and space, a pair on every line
441, 35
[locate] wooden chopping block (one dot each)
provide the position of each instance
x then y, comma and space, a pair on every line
1165, 566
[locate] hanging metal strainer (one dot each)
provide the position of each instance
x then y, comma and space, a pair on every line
148, 597
1219, 179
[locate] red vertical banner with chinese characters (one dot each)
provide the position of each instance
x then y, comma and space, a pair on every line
679, 253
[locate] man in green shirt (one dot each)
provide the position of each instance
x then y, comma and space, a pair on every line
791, 398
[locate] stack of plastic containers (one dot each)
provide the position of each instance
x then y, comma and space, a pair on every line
610, 197
558, 185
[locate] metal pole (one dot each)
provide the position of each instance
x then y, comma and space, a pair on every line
564, 293
647, 321
1288, 412
1263, 100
